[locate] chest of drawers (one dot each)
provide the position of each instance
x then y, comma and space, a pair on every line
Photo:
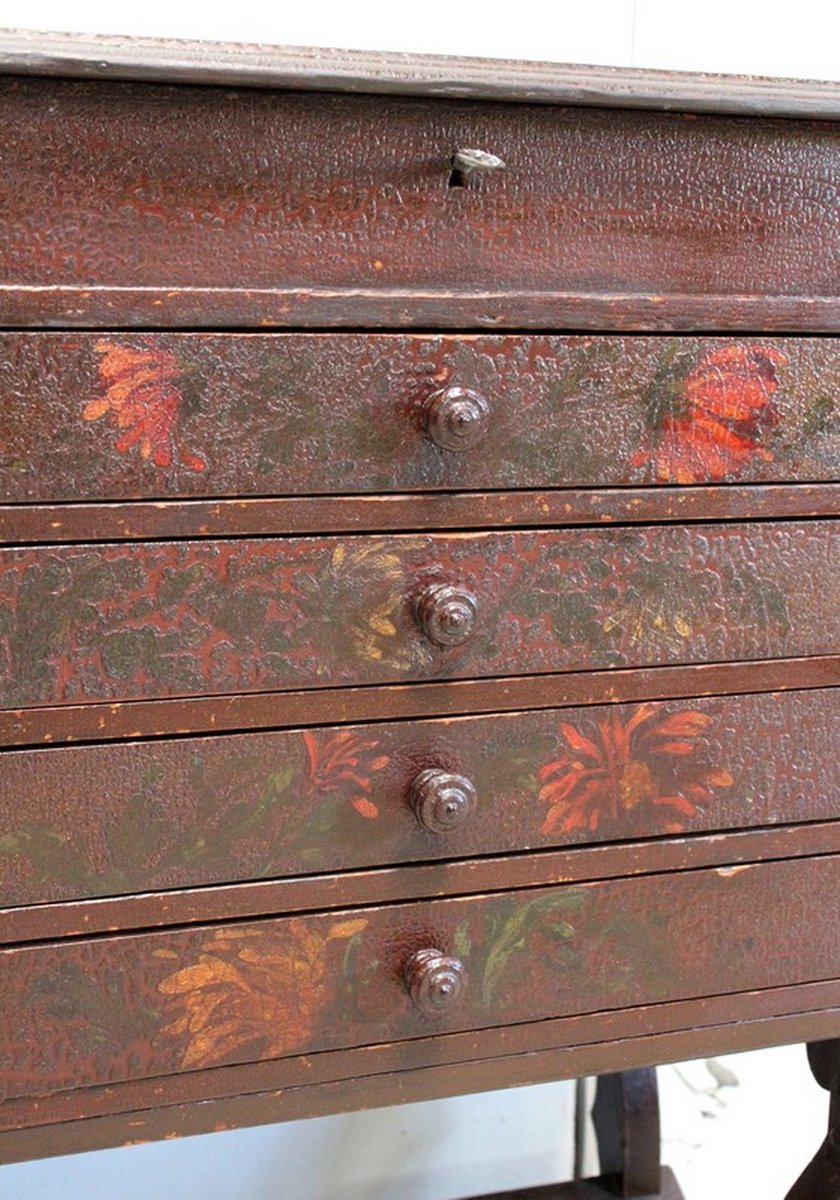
418, 614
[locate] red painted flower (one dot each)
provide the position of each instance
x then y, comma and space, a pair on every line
345, 762
599, 782
142, 402
727, 407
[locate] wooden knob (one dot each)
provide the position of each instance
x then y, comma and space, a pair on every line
435, 982
457, 418
447, 613
442, 800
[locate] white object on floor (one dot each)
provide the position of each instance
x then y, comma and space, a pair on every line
744, 1142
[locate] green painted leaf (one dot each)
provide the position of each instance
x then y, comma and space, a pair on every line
462, 942
546, 913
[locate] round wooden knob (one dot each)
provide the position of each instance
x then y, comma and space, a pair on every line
435, 982
447, 613
457, 418
442, 800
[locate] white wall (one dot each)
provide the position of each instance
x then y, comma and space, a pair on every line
501, 1140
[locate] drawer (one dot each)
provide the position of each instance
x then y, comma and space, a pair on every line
146, 204
132, 620
128, 818
116, 416
100, 1010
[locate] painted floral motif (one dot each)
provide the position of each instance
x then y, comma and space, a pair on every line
142, 401
345, 763
251, 993
713, 426
373, 573
249, 990
598, 782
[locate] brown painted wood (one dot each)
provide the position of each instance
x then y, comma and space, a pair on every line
297, 195
147, 620
28, 923
74, 307
625, 1117
139, 719
237, 1109
116, 819
821, 1178
245, 209
401, 308
92, 417
139, 520
103, 56
587, 1189
681, 1022
102, 1010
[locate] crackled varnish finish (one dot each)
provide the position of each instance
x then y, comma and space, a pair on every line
111, 820
113, 622
297, 198
237, 898
117, 1008
116, 416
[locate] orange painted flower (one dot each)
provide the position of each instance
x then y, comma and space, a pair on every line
141, 400
345, 762
252, 993
726, 407
598, 782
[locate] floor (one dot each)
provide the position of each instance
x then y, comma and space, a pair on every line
747, 1140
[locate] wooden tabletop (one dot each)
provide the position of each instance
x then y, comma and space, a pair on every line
180, 61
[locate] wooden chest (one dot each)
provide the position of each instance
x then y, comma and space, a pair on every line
418, 599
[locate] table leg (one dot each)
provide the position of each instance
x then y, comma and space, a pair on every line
626, 1119
821, 1178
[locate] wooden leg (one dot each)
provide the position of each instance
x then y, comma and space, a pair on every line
626, 1119
821, 1178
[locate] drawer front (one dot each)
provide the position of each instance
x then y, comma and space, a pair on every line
136, 187
114, 1008
92, 417
128, 818
125, 621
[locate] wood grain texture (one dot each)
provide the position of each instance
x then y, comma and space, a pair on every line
103, 56
144, 620
115, 819
391, 308
107, 1009
294, 192
92, 417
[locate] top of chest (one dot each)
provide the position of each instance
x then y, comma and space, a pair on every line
237, 187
